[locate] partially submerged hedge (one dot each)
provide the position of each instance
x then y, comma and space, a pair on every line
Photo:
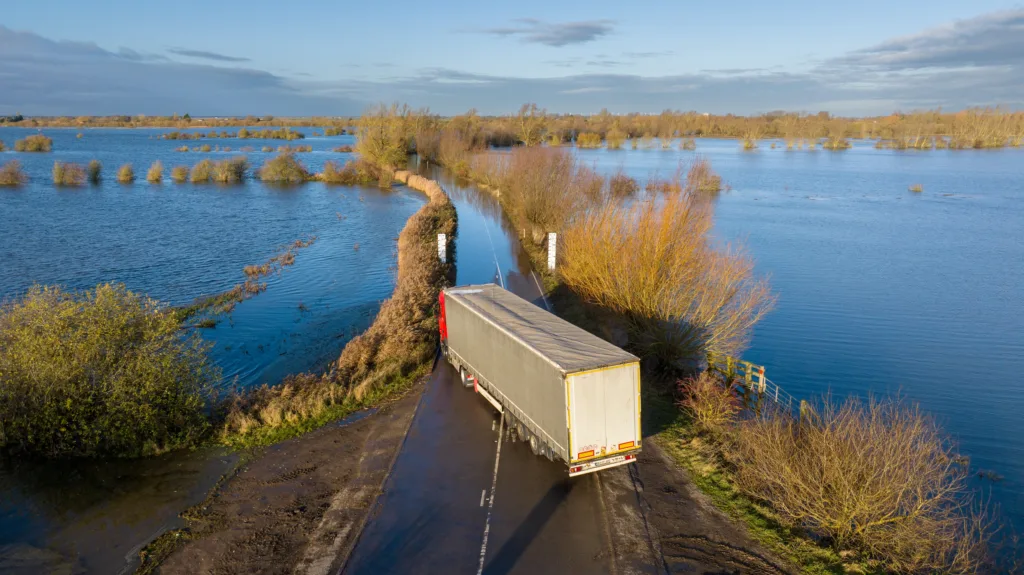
396, 349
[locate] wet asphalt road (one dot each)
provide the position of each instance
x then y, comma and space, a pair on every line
431, 515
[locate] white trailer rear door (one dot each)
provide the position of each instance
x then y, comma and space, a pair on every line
604, 411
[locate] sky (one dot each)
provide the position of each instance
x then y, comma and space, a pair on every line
320, 57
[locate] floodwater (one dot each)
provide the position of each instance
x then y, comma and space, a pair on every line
177, 243
180, 242
882, 290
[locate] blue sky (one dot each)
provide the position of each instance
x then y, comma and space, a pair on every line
319, 57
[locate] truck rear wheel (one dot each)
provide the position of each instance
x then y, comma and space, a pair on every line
464, 377
534, 445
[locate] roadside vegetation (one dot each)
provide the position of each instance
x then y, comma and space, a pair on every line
644, 270
394, 351
34, 143
11, 174
104, 372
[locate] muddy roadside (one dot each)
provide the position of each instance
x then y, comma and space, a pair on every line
687, 532
296, 507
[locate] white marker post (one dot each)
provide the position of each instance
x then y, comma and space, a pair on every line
442, 247
552, 244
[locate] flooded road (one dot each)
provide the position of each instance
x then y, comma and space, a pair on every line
95, 516
432, 513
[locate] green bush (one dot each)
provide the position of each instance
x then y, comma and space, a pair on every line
284, 169
34, 143
103, 372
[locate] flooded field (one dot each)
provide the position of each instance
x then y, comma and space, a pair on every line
177, 243
881, 289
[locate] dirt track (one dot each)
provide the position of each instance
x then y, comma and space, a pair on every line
299, 506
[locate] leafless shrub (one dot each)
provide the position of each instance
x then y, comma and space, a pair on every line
622, 186
546, 188
126, 174
155, 175
95, 172
681, 295
11, 174
231, 171
877, 477
202, 172
66, 174
710, 401
179, 174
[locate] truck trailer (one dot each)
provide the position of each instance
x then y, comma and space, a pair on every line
571, 395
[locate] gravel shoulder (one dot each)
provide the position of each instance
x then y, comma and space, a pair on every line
300, 505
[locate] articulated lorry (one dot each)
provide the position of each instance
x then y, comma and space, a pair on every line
573, 396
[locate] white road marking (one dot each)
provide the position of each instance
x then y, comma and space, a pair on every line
541, 290
501, 278
483, 493
490, 503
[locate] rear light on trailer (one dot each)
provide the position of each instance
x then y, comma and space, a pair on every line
575, 469
442, 324
630, 457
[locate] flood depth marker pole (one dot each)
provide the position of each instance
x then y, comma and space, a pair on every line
552, 245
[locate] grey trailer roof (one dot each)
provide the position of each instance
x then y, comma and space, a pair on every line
568, 347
